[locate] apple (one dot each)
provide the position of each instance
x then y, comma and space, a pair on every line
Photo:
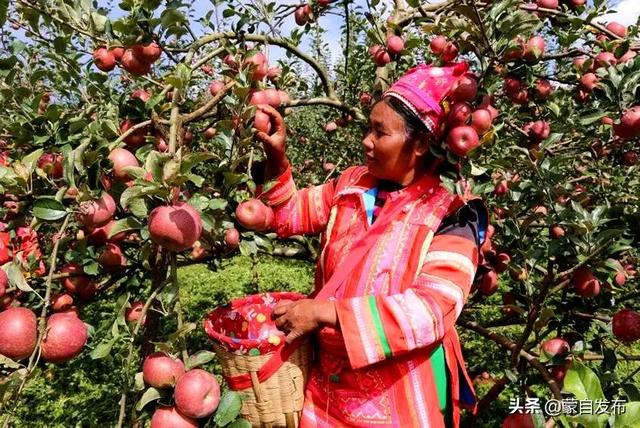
77, 281
547, 4
175, 227
133, 64
629, 126
620, 278
161, 371
302, 14
580, 63
627, 57
169, 417
437, 45
121, 159
273, 73
323, 3
501, 188
232, 237
395, 44
465, 89
617, 29
537, 131
512, 85
207, 69
518, 420
100, 235
112, 256
103, 59
65, 338
630, 158
515, 50
117, 52
61, 302
365, 99
98, 212
544, 88
253, 214
134, 313
209, 133
459, 114
589, 81
262, 122
489, 284
576, 3
556, 232
330, 127
462, 139
534, 49
382, 57
450, 52
216, 87
558, 372
197, 394
604, 59
4, 282
481, 120
18, 333
501, 263
555, 347
148, 53
137, 137
625, 325
585, 282
141, 94
258, 64
160, 143
52, 164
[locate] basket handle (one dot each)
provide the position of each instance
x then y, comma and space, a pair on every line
272, 365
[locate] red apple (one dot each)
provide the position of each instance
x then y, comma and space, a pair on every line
450, 52
382, 57
197, 394
161, 371
558, 372
112, 256
65, 338
438, 43
18, 333
141, 94
518, 420
628, 56
630, 158
556, 232
121, 159
501, 263
538, 131
544, 88
462, 139
103, 59
273, 73
169, 417
547, 4
133, 64
100, 235
489, 284
4, 282
258, 64
465, 89
137, 137
617, 29
175, 227
365, 99
77, 281
481, 120
134, 313
61, 302
589, 81
620, 278
262, 122
585, 282
512, 85
534, 49
209, 133
459, 114
117, 52
253, 214
216, 87
501, 188
149, 53
395, 44
555, 347
302, 14
232, 237
625, 325
98, 212
515, 50
52, 164
604, 59
629, 126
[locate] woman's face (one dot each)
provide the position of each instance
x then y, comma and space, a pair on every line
388, 152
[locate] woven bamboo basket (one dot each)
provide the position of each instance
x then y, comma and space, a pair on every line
277, 400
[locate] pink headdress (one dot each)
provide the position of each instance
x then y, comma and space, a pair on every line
423, 88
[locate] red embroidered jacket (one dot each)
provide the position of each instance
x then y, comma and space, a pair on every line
400, 302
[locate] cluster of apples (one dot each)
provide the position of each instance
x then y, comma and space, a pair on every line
136, 59
304, 13
196, 392
492, 264
382, 55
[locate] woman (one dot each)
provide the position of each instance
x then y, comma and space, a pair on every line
398, 257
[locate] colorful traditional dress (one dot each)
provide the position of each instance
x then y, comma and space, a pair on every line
383, 365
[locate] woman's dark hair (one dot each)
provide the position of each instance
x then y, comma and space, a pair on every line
417, 130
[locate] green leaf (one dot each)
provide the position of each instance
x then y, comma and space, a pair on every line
103, 349
582, 382
48, 209
29, 161
630, 418
129, 223
16, 277
8, 362
228, 409
151, 394
4, 5
240, 423
192, 159
199, 359
591, 421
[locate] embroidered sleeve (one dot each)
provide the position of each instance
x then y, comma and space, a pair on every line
298, 212
378, 327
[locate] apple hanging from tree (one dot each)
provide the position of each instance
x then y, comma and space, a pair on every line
98, 212
518, 420
161, 371
253, 214
302, 14
170, 417
148, 53
103, 59
65, 338
395, 44
459, 115
462, 139
121, 159
625, 325
556, 347
438, 44
585, 282
18, 333
134, 64
232, 237
175, 227
197, 394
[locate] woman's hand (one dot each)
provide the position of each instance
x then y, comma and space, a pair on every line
274, 144
301, 317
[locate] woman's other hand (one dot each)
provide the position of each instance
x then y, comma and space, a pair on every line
274, 144
301, 317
